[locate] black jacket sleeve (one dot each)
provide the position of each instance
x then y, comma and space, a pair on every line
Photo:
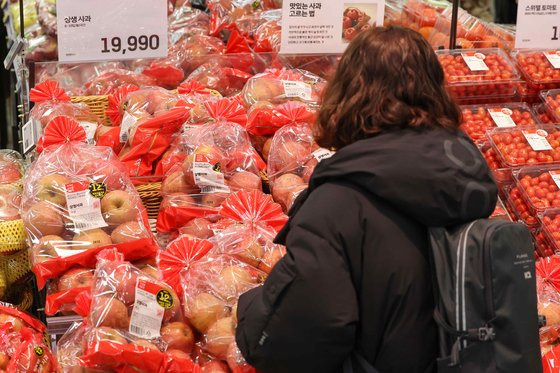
304, 317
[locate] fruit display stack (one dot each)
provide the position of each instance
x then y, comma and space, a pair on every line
221, 130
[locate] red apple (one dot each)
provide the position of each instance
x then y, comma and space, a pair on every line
198, 228
346, 22
106, 334
204, 310
244, 180
129, 231
214, 366
51, 188
178, 335
91, 239
350, 33
176, 183
118, 207
110, 312
249, 251
285, 187
9, 173
270, 258
233, 281
45, 248
75, 278
219, 336
42, 219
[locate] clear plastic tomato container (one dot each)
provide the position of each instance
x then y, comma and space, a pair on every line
537, 69
551, 101
478, 119
542, 114
550, 223
542, 247
502, 175
420, 13
479, 73
539, 187
526, 146
519, 209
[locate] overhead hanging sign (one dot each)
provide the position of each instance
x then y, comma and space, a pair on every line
101, 30
326, 26
538, 24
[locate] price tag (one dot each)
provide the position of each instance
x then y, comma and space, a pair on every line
207, 176
326, 26
150, 302
554, 58
90, 129
295, 89
538, 24
555, 174
475, 61
28, 138
84, 205
101, 30
502, 117
15, 49
127, 123
537, 139
322, 153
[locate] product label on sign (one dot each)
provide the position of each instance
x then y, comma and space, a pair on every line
538, 24
322, 153
295, 89
502, 117
90, 129
537, 139
554, 58
555, 177
326, 26
101, 30
150, 303
207, 176
31, 132
127, 123
475, 61
84, 209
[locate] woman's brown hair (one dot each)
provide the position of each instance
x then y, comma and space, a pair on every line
388, 78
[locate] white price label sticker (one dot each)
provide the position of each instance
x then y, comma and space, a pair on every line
553, 57
502, 117
322, 153
127, 123
90, 129
295, 89
84, 209
27, 137
475, 61
64, 253
101, 30
150, 302
555, 177
208, 177
537, 139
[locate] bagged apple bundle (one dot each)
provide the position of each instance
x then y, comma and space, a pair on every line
148, 120
292, 158
211, 288
228, 81
108, 82
135, 318
25, 351
52, 101
265, 118
268, 36
277, 86
218, 159
78, 199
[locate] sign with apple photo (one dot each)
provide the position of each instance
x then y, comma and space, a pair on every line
311, 26
357, 18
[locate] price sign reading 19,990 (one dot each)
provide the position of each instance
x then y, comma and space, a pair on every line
101, 30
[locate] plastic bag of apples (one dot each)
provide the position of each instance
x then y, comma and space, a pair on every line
22, 348
136, 319
211, 288
52, 101
77, 200
292, 158
148, 119
217, 158
276, 86
548, 285
225, 13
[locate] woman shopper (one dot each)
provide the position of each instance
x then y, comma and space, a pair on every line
356, 280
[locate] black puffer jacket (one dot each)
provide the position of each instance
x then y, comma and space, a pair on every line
356, 274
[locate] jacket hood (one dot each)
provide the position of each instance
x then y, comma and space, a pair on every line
435, 176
